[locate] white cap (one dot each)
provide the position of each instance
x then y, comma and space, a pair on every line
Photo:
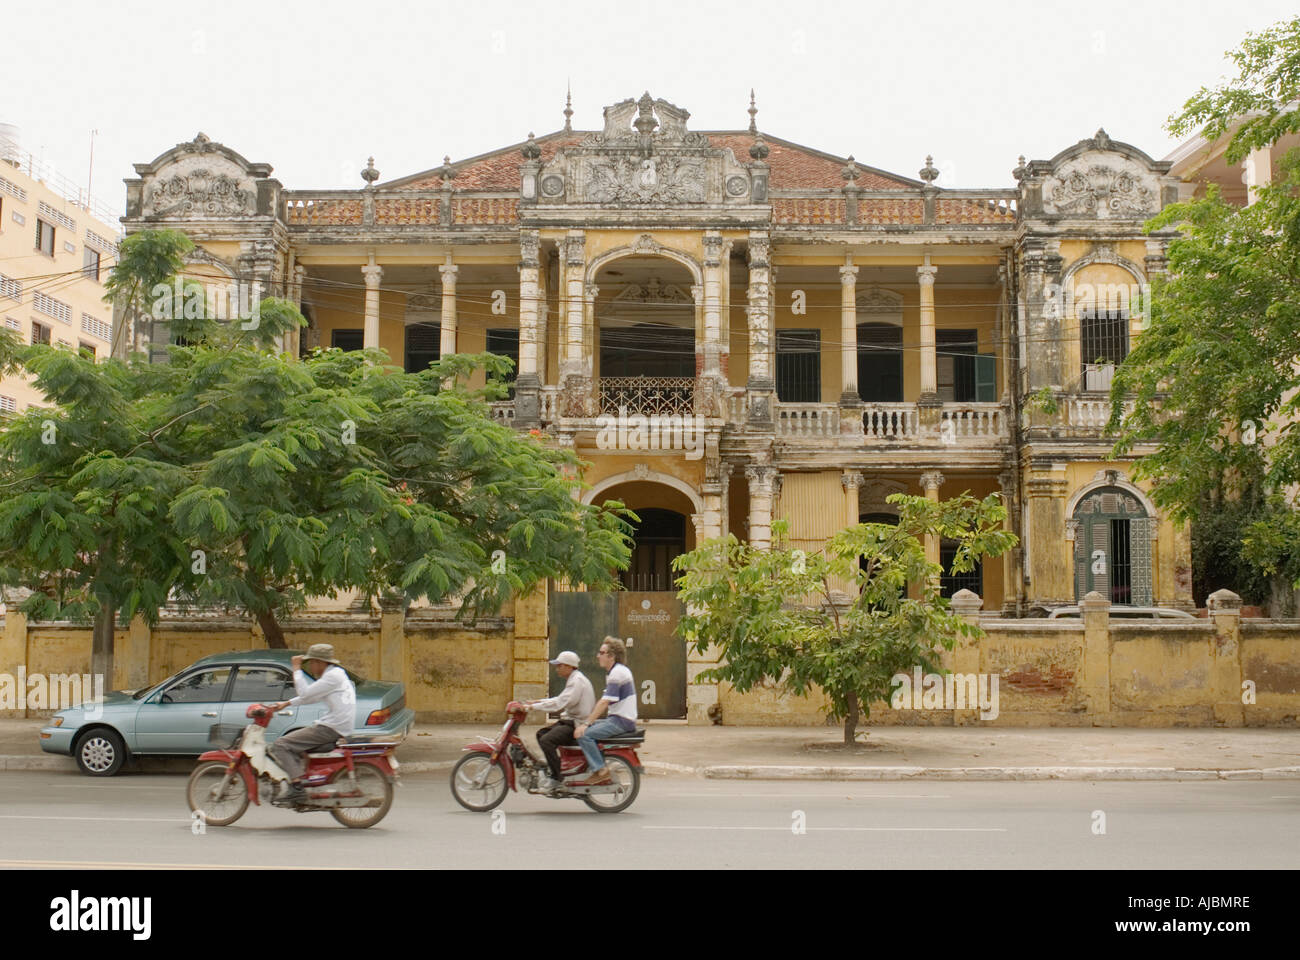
568, 658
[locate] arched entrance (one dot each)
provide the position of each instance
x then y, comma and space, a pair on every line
645, 328
1112, 546
647, 610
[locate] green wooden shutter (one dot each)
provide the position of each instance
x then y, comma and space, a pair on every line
986, 378
1099, 539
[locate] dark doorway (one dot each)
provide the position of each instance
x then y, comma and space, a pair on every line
660, 538
798, 366
505, 343
880, 362
647, 350
949, 582
423, 345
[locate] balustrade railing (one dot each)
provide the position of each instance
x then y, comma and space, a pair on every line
647, 395
972, 421
807, 420
891, 421
503, 411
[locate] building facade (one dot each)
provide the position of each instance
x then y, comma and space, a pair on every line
733, 328
56, 249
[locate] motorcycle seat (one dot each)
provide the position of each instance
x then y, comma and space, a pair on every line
634, 736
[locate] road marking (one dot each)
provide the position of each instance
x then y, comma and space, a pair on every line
822, 796
14, 816
849, 829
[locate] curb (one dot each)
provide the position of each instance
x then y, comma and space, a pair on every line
756, 772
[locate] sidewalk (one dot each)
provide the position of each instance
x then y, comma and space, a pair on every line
892, 753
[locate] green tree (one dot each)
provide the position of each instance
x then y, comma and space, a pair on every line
1215, 376
774, 617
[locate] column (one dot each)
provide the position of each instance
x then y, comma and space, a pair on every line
527, 382
714, 253
849, 334
1256, 172
372, 274
930, 483
1047, 557
929, 378
448, 270
965, 655
589, 294
852, 482
298, 274
575, 373
761, 385
1010, 569
13, 656
529, 673
1096, 657
761, 480
1225, 659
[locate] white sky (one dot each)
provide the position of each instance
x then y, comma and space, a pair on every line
315, 88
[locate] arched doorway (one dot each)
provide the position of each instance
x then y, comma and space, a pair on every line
645, 328
1112, 546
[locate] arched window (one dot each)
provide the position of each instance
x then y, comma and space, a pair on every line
1112, 547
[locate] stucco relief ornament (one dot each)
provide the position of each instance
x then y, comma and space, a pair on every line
646, 180
1103, 190
199, 193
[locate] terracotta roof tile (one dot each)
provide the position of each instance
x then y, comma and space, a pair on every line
793, 167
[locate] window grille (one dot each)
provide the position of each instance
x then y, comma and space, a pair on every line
51, 307
13, 289
1103, 336
950, 583
15, 191
8, 405
106, 246
50, 213
95, 327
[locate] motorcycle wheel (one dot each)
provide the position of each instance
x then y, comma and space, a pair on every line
629, 783
467, 771
219, 800
371, 782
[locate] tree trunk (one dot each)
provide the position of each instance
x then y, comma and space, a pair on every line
101, 647
851, 720
271, 630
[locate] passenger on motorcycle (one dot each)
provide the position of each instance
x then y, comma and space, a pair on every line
331, 684
575, 703
619, 699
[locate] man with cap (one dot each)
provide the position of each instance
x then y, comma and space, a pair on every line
575, 701
329, 682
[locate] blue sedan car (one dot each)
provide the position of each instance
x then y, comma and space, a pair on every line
175, 717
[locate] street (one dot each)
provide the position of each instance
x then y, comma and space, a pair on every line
67, 820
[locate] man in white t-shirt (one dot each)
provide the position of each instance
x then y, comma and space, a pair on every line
619, 700
329, 682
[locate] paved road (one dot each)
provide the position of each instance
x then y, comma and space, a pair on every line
49, 819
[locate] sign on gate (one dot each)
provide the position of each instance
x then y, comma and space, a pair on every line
657, 658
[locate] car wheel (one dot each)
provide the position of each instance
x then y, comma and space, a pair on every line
100, 752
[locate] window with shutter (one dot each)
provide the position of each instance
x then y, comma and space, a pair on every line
423, 346
798, 366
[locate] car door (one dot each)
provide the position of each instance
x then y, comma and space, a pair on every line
178, 717
260, 683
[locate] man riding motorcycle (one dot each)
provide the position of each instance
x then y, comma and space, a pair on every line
574, 702
619, 699
330, 683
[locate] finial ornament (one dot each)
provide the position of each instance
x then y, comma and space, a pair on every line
530, 149
1021, 169
758, 149
568, 107
445, 172
753, 112
929, 173
370, 174
850, 170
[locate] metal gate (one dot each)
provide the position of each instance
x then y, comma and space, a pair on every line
646, 623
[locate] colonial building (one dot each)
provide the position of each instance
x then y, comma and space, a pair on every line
56, 248
837, 332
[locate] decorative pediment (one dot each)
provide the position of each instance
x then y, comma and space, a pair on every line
200, 180
1096, 178
644, 155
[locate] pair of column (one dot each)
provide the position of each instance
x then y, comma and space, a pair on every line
925, 275
373, 273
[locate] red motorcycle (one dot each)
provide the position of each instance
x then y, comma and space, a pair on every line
353, 781
490, 768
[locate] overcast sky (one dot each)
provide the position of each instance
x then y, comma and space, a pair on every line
315, 88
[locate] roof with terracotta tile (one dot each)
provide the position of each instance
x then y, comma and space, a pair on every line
793, 166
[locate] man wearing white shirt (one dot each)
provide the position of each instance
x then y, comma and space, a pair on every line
330, 683
574, 702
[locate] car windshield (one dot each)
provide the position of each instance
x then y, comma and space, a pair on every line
141, 694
